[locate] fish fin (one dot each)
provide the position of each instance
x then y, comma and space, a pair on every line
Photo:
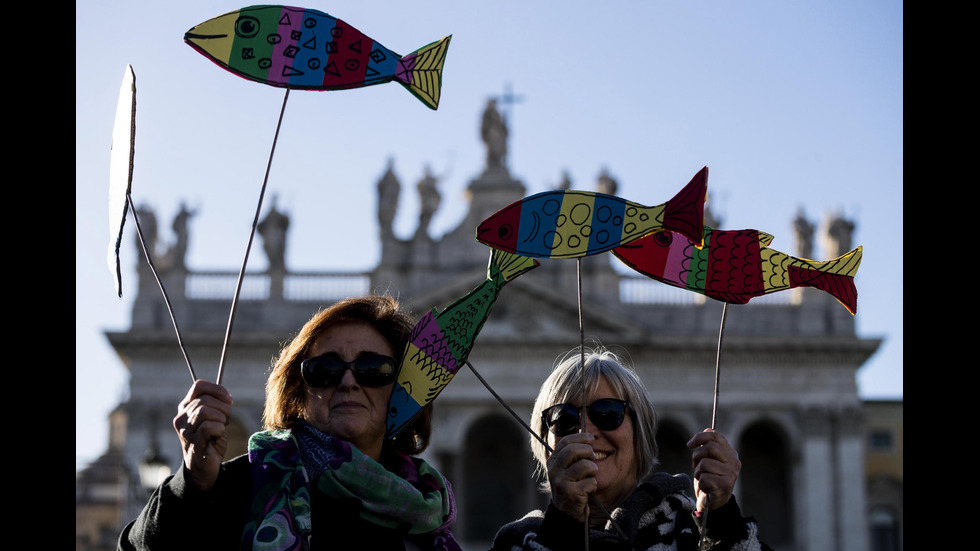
846, 264
833, 276
684, 213
509, 265
765, 239
421, 72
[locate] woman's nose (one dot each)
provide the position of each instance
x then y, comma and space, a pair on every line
348, 380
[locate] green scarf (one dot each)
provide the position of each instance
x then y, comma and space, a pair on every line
405, 492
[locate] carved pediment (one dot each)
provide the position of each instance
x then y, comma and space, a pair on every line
529, 309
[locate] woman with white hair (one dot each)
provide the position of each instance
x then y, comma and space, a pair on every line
608, 471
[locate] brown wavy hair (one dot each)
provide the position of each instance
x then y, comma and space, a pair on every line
285, 390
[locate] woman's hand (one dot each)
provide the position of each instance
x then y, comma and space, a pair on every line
716, 467
201, 422
571, 471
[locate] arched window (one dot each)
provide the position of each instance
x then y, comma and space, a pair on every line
237, 439
675, 456
884, 529
496, 476
764, 482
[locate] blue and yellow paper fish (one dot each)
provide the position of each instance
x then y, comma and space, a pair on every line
572, 224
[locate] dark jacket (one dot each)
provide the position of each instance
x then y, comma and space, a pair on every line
658, 515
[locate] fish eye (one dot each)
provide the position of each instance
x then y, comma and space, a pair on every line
663, 238
505, 232
247, 26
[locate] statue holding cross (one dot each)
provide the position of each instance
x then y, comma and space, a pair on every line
494, 134
495, 129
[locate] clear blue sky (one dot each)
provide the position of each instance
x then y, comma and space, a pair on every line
791, 105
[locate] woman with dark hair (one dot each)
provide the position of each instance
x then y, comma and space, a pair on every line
321, 475
606, 474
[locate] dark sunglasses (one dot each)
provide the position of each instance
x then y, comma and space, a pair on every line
605, 414
328, 370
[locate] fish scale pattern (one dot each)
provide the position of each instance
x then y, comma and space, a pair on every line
737, 265
441, 342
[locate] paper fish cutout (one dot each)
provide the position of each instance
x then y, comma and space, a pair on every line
738, 265
441, 342
572, 224
121, 170
307, 49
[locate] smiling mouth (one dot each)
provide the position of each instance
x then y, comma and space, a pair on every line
599, 456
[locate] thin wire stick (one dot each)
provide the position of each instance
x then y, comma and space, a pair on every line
166, 299
721, 334
714, 412
251, 237
581, 328
508, 408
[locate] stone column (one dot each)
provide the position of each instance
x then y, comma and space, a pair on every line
852, 510
816, 500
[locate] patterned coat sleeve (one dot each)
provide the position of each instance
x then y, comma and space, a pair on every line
728, 530
540, 531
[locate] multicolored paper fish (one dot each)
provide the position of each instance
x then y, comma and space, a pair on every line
738, 265
307, 49
441, 341
572, 224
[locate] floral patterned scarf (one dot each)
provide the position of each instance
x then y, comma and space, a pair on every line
406, 491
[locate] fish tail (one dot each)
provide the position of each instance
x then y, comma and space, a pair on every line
684, 213
506, 266
833, 276
421, 71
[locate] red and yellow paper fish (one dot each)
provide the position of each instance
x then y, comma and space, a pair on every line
738, 265
307, 49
